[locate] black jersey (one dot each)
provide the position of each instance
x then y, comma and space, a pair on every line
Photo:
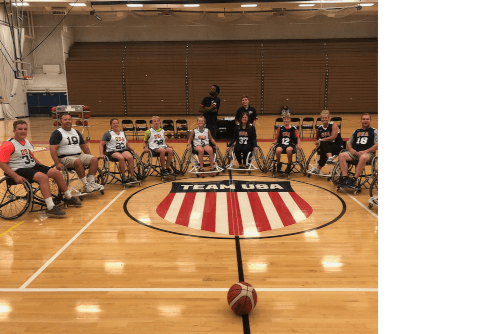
244, 136
287, 136
325, 133
363, 139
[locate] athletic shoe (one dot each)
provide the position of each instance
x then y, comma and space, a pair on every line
213, 170
344, 181
330, 161
288, 169
278, 167
133, 179
201, 171
55, 212
242, 167
168, 171
125, 179
373, 200
72, 202
353, 182
88, 188
315, 171
97, 186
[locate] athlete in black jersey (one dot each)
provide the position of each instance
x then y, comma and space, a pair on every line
245, 138
287, 137
362, 146
328, 141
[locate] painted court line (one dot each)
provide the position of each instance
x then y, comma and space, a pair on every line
366, 208
185, 290
39, 271
10, 229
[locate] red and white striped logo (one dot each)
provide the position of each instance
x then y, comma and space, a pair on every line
234, 207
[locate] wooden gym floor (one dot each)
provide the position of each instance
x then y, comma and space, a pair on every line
116, 266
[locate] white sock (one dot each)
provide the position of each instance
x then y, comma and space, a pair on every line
84, 180
91, 178
67, 194
49, 202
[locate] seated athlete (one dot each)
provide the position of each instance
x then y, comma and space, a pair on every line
245, 138
66, 146
328, 141
361, 147
287, 137
118, 147
154, 138
201, 138
17, 160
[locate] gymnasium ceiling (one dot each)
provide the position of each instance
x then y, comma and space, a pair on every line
278, 8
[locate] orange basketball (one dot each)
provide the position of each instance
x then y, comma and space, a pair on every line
242, 298
86, 108
86, 123
79, 122
53, 109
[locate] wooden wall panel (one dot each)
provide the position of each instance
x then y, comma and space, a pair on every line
294, 74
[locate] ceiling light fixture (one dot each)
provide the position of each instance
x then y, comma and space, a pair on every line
192, 5
78, 4
307, 5
249, 5
18, 4
366, 4
134, 5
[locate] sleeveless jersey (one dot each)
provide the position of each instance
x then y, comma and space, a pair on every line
156, 139
118, 142
70, 143
287, 136
325, 133
363, 139
201, 137
22, 157
244, 136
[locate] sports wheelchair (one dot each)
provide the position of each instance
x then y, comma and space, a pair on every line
75, 186
312, 164
15, 199
111, 171
373, 200
190, 159
255, 160
152, 164
298, 162
364, 180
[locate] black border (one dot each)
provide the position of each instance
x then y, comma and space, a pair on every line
344, 207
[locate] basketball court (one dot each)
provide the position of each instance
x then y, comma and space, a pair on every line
155, 258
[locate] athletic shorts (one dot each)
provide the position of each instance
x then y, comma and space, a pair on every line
29, 173
69, 161
155, 150
109, 154
356, 159
284, 147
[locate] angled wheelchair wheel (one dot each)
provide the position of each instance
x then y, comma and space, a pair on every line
219, 159
186, 161
336, 174
228, 158
260, 159
15, 199
140, 170
270, 159
147, 160
301, 160
312, 157
102, 170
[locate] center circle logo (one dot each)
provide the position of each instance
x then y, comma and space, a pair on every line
247, 207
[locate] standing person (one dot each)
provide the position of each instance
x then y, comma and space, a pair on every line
201, 139
328, 141
252, 113
246, 139
287, 138
118, 147
17, 159
210, 107
154, 139
66, 147
361, 147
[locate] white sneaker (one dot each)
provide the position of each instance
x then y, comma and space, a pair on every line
88, 188
97, 186
330, 161
315, 170
373, 200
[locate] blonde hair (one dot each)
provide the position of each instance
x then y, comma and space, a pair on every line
202, 117
154, 117
286, 114
325, 112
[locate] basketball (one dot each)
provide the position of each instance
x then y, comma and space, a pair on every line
169, 135
86, 108
53, 109
79, 122
242, 298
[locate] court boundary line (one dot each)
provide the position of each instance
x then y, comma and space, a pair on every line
184, 290
10, 229
355, 200
42, 268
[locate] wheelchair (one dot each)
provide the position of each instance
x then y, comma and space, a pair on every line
16, 199
75, 186
373, 200
312, 163
190, 163
111, 171
364, 180
298, 162
255, 160
152, 164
